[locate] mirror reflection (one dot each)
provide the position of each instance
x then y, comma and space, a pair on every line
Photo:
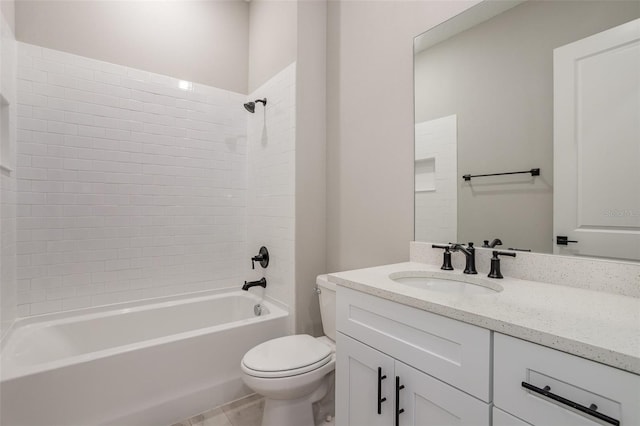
487, 102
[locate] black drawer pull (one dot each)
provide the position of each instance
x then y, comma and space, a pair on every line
399, 410
587, 410
380, 398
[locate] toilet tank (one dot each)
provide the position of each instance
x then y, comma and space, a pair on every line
327, 295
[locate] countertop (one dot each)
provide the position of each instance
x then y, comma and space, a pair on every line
603, 327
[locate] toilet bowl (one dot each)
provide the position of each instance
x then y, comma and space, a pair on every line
293, 372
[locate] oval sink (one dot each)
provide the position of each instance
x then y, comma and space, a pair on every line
435, 281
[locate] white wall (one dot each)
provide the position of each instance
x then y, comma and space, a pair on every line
8, 289
370, 127
197, 40
271, 141
129, 187
7, 8
272, 39
311, 163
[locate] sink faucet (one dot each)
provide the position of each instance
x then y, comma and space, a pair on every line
492, 244
260, 283
470, 255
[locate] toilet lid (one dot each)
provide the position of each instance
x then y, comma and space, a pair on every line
287, 355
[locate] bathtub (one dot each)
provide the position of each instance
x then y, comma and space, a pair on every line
150, 363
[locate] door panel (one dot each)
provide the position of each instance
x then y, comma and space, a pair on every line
597, 144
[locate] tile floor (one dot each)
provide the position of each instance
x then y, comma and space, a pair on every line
243, 412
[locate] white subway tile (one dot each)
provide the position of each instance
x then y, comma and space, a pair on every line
45, 307
79, 118
77, 164
32, 74
46, 65
76, 280
78, 72
33, 99
91, 131
48, 185
62, 104
62, 80
47, 162
133, 173
80, 302
47, 114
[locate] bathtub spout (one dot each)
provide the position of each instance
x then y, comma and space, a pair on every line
261, 282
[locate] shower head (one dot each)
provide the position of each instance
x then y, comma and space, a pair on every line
251, 106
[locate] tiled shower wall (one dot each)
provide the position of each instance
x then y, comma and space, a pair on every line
436, 210
271, 137
7, 177
130, 184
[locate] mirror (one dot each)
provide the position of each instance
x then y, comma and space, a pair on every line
484, 104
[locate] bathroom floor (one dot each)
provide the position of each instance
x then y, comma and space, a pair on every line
244, 412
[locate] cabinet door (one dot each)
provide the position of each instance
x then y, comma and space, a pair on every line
500, 418
357, 384
429, 402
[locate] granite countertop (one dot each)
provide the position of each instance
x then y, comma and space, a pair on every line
603, 327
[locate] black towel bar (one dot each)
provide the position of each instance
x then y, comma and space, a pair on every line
534, 172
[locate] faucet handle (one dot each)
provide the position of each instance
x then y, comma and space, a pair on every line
262, 257
446, 258
495, 263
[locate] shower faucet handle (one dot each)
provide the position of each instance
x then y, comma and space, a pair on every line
262, 257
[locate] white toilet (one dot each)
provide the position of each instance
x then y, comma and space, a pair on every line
293, 372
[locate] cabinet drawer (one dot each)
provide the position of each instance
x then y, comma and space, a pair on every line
614, 392
452, 351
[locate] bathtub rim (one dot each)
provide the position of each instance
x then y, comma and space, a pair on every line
276, 310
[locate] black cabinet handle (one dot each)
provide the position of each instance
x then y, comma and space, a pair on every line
399, 410
563, 240
380, 398
587, 410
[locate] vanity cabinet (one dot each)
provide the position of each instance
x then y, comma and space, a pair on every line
426, 367
450, 372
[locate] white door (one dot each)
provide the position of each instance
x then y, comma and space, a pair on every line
429, 402
360, 372
597, 144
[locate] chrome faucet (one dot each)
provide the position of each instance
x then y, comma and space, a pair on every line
470, 254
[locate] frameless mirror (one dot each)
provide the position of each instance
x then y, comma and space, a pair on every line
547, 88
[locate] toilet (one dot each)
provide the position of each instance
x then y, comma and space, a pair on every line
293, 372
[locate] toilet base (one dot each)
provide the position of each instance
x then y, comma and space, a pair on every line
296, 412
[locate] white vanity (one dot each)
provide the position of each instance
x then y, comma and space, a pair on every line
523, 352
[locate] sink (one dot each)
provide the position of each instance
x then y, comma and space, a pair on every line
440, 282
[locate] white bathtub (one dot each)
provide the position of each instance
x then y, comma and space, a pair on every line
137, 364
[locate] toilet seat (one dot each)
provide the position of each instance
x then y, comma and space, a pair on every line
286, 356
